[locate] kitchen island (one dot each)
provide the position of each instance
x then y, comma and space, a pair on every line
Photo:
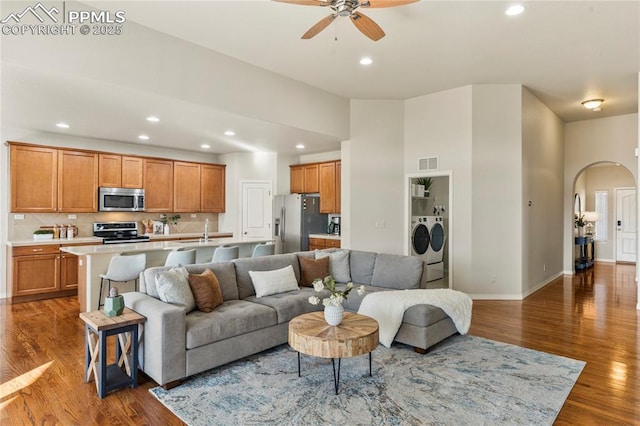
94, 260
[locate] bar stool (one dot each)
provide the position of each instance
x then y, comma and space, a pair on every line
263, 249
181, 258
225, 254
123, 269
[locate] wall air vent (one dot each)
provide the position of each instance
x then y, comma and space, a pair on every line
428, 163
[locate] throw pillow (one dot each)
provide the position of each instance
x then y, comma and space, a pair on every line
339, 264
312, 269
277, 281
173, 287
206, 290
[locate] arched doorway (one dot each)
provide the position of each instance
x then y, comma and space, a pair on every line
608, 189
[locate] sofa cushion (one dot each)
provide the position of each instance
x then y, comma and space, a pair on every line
288, 305
206, 290
266, 283
354, 299
310, 269
262, 263
338, 264
397, 272
173, 287
362, 264
232, 318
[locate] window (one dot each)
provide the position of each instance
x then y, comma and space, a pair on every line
601, 209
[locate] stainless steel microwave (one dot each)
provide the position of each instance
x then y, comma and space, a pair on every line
120, 200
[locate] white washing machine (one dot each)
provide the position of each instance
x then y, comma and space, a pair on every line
420, 238
434, 255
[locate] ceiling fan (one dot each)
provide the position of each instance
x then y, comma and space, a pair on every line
349, 8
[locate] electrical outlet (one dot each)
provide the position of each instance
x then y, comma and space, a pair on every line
18, 216
381, 224
72, 216
193, 215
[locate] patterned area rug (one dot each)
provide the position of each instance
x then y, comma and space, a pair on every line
465, 380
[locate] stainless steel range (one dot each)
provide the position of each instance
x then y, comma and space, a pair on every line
118, 232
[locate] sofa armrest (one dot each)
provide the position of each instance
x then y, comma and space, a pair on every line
163, 341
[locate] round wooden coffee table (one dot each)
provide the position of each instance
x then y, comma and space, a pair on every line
311, 335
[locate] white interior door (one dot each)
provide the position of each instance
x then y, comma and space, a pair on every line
626, 225
256, 209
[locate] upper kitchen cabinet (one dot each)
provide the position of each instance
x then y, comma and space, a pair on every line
296, 184
34, 179
327, 173
158, 185
77, 181
118, 171
304, 179
311, 178
186, 187
338, 186
212, 188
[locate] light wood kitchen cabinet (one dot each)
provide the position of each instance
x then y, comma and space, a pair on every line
338, 186
68, 271
311, 178
327, 173
296, 184
119, 171
186, 187
34, 179
323, 243
212, 188
158, 185
77, 181
35, 270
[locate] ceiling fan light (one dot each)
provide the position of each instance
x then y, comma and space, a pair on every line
593, 104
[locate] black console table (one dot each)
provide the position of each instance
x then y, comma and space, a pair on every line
585, 252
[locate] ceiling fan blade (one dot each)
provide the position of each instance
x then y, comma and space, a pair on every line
367, 26
321, 25
386, 3
306, 2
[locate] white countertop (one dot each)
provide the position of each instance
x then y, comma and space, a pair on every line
94, 240
158, 245
325, 236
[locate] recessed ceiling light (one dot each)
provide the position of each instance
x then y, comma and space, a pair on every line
366, 61
300, 146
205, 146
593, 104
514, 10
230, 133
153, 119
62, 125
143, 137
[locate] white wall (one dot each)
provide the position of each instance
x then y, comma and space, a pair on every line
543, 185
606, 178
496, 181
592, 141
440, 125
373, 157
256, 166
320, 157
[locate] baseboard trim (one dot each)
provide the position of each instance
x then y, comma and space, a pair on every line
542, 284
605, 260
495, 296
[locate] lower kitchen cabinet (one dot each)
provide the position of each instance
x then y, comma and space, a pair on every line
323, 243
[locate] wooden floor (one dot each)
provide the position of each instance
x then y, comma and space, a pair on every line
591, 316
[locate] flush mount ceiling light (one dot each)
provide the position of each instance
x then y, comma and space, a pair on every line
205, 146
300, 146
593, 104
62, 125
514, 10
143, 137
230, 133
153, 119
366, 61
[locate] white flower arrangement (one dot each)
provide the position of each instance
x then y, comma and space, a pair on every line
337, 297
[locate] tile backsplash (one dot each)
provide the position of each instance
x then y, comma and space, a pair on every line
22, 229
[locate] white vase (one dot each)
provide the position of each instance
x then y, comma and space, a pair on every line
333, 314
166, 229
580, 231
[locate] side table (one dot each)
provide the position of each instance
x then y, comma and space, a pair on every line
98, 327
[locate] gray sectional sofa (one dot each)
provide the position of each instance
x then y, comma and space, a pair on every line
176, 344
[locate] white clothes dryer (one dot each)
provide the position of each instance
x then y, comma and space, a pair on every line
437, 239
420, 238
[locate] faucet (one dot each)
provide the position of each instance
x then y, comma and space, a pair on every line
206, 231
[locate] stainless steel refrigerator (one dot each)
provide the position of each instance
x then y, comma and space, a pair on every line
295, 216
